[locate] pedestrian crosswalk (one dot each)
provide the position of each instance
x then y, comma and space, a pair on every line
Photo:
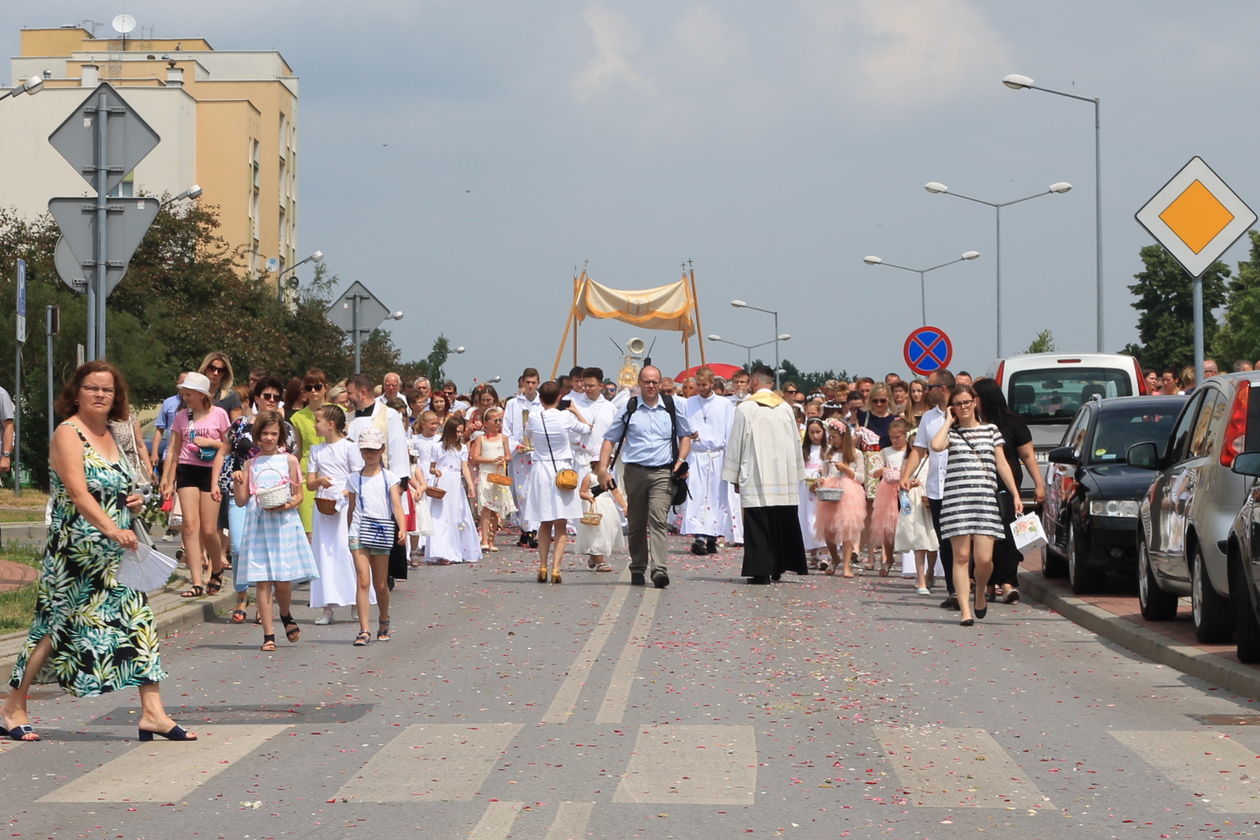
668, 764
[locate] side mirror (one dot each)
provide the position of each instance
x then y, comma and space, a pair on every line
1062, 455
1247, 463
1143, 455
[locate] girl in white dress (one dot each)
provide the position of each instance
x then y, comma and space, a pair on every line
330, 464
813, 445
454, 533
600, 541
552, 432
489, 452
424, 445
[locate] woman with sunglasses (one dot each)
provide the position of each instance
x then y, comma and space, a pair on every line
266, 396
303, 421
970, 517
218, 370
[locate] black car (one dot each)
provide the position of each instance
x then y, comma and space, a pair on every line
1092, 494
1242, 550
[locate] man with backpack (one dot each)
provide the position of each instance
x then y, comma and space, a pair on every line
653, 438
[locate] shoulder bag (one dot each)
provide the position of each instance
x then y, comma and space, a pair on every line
566, 479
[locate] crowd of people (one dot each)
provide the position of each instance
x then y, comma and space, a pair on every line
347, 485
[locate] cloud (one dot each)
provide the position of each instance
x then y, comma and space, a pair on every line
614, 38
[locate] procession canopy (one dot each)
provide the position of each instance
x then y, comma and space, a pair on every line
669, 307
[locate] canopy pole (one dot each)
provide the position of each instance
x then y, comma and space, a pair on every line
576, 282
695, 304
565, 337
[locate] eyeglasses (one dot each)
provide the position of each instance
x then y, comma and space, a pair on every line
219, 369
271, 397
791, 391
309, 388
96, 389
963, 404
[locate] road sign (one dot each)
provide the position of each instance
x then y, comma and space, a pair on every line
68, 267
928, 349
1196, 216
129, 219
371, 312
128, 139
21, 301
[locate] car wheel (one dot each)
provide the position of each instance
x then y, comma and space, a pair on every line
1052, 564
1213, 618
1083, 577
1155, 603
1247, 627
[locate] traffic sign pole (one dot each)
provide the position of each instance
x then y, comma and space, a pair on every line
100, 250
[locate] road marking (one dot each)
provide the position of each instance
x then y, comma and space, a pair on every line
432, 762
1206, 764
614, 706
940, 767
570, 822
162, 772
566, 698
496, 822
691, 765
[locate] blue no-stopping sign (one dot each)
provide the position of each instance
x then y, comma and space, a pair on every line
928, 349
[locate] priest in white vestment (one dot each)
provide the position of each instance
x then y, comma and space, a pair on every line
707, 514
516, 413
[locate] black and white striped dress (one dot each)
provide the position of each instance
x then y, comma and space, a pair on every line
969, 501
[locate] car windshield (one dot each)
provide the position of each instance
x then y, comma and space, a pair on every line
1054, 395
1117, 430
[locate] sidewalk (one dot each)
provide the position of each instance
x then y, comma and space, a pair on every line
1115, 616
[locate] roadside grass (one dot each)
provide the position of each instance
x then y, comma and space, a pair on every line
18, 605
30, 498
24, 515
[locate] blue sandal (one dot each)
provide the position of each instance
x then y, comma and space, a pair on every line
175, 733
19, 733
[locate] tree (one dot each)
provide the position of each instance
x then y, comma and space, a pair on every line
807, 381
1166, 311
1239, 336
1043, 343
437, 360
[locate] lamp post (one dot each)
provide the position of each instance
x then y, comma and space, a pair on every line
739, 304
937, 188
31, 86
1017, 82
748, 348
316, 257
967, 255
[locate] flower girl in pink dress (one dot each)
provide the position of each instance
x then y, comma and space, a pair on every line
840, 522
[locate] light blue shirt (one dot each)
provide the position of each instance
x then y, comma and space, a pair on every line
165, 417
648, 439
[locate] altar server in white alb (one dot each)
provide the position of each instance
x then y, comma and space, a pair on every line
707, 514
516, 413
765, 463
588, 396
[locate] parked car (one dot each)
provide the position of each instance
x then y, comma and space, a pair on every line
1092, 492
1187, 513
1243, 552
1047, 389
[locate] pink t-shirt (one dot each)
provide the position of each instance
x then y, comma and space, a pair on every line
213, 425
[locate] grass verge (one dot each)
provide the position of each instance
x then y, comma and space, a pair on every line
18, 605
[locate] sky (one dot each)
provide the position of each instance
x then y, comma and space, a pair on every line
463, 158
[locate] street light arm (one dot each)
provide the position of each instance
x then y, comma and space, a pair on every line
759, 309
969, 198
1094, 100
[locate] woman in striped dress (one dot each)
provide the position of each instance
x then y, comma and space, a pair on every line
970, 518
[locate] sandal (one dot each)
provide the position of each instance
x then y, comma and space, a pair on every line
194, 591
362, 638
20, 732
603, 567
215, 585
291, 630
269, 642
382, 634
238, 616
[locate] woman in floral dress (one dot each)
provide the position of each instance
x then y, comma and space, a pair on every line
90, 634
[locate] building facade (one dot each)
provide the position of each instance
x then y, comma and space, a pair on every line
227, 121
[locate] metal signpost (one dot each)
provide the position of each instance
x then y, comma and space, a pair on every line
52, 326
103, 139
354, 311
1196, 217
15, 464
928, 349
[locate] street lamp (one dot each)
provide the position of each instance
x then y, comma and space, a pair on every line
750, 347
967, 255
1017, 82
31, 86
937, 188
192, 194
316, 257
739, 304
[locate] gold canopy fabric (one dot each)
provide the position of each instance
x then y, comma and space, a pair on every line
667, 307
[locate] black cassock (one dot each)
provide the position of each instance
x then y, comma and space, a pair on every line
772, 541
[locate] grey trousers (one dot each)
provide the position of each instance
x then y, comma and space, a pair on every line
647, 512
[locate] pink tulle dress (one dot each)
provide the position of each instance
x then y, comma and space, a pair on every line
884, 515
841, 523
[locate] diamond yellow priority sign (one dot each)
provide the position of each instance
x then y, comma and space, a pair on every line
1196, 216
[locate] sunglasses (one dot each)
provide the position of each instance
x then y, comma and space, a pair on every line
219, 369
880, 401
269, 397
934, 387
792, 391
309, 388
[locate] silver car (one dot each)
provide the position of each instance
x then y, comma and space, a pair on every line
1185, 518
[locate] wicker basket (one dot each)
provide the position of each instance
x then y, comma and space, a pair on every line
277, 496
434, 492
499, 479
592, 517
829, 494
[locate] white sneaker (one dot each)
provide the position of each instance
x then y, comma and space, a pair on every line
326, 618
923, 590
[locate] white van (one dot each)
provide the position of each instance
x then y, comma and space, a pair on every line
1047, 389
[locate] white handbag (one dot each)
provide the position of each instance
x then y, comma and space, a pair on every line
1027, 533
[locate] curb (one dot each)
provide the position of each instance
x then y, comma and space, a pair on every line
1232, 676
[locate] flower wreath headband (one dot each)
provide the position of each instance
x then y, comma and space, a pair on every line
837, 425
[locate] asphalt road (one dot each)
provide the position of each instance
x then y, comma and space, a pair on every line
815, 708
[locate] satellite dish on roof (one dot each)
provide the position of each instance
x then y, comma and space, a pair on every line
123, 24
